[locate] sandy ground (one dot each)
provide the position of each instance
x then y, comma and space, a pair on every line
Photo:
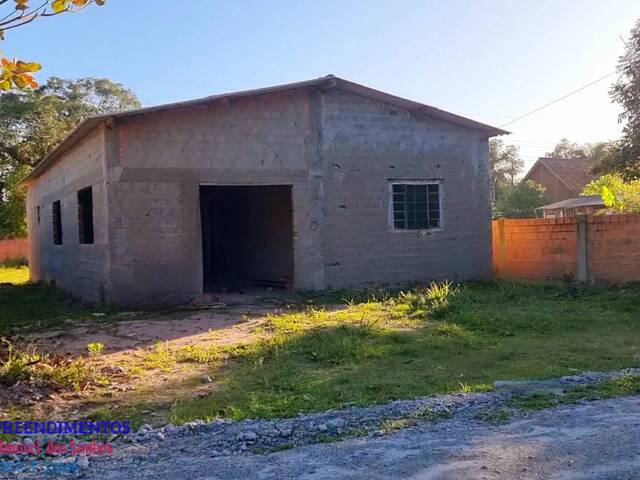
226, 319
229, 319
598, 440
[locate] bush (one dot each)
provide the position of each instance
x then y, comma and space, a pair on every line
433, 301
15, 262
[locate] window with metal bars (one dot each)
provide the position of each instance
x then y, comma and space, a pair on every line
85, 215
56, 216
416, 206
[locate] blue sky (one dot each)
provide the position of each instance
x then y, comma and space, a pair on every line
492, 60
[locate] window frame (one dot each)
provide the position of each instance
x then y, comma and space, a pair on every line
397, 181
56, 223
82, 216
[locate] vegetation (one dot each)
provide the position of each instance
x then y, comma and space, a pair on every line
32, 123
377, 346
378, 350
33, 306
506, 165
19, 365
626, 385
95, 348
15, 275
521, 201
625, 158
618, 195
17, 73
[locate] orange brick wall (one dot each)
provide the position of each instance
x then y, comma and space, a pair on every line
14, 248
613, 247
537, 249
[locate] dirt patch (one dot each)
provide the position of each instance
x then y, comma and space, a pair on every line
128, 339
126, 336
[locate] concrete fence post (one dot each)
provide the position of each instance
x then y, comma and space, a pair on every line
582, 261
502, 254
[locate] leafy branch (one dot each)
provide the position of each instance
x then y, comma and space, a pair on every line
18, 73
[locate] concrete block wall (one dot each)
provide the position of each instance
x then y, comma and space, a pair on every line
79, 269
336, 150
365, 145
158, 167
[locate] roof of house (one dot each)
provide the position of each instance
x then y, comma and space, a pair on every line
328, 82
584, 201
575, 173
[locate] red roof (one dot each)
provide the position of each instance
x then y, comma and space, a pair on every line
575, 173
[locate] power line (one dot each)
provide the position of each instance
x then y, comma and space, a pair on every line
557, 99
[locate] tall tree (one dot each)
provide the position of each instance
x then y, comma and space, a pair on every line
506, 166
626, 91
567, 149
521, 200
17, 13
34, 122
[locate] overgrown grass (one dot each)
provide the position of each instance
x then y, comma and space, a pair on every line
34, 306
16, 275
28, 365
390, 347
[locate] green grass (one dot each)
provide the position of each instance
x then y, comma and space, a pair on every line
14, 275
390, 348
34, 306
628, 385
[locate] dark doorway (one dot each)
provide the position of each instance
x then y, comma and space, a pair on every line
247, 236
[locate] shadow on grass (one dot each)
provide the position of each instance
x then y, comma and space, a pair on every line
490, 333
37, 306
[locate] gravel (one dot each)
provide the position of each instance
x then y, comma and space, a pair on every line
171, 451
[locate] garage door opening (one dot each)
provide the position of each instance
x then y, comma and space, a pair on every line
247, 237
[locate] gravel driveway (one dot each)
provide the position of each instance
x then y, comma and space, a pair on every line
597, 440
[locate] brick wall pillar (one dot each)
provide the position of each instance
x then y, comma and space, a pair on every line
582, 258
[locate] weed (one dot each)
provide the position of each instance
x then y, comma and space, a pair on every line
434, 301
626, 385
344, 434
17, 365
198, 354
495, 416
534, 401
161, 356
95, 349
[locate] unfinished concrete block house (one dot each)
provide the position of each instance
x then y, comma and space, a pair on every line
312, 185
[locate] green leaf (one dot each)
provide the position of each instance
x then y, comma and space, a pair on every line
608, 197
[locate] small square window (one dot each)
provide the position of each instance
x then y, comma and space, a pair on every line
85, 215
56, 217
416, 206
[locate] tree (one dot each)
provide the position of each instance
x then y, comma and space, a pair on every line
618, 195
625, 158
567, 149
33, 122
506, 165
521, 200
17, 73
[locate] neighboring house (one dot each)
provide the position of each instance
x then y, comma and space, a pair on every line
562, 178
571, 207
312, 185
